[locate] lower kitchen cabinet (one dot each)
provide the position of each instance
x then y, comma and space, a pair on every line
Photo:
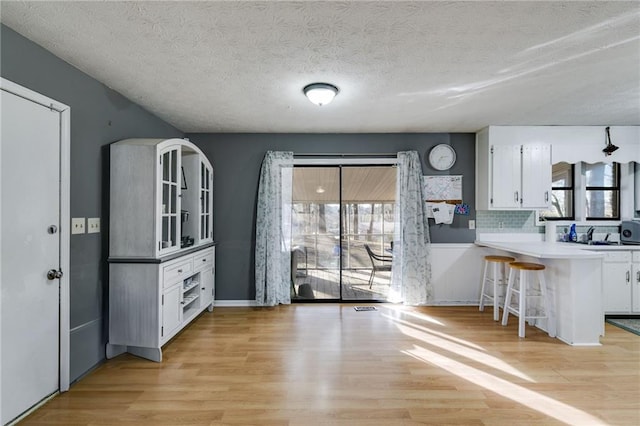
621, 282
151, 301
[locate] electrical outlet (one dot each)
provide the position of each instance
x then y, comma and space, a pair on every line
472, 224
77, 225
93, 225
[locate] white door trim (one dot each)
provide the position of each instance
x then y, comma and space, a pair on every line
65, 217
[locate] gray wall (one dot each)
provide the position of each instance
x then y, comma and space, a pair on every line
237, 158
99, 116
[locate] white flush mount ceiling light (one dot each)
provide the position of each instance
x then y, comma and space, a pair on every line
320, 93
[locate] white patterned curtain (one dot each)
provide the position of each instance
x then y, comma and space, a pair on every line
273, 230
411, 272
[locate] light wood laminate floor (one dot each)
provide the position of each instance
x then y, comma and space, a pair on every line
326, 364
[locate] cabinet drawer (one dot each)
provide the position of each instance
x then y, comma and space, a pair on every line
176, 272
203, 260
636, 255
617, 256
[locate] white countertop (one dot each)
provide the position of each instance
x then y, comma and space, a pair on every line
544, 250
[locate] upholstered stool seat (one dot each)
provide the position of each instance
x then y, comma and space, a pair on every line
523, 285
494, 278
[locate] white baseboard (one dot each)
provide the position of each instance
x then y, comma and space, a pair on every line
234, 303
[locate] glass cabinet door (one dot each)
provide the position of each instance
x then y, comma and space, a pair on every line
170, 206
206, 187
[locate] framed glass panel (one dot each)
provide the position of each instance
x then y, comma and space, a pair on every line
602, 204
602, 192
174, 166
601, 175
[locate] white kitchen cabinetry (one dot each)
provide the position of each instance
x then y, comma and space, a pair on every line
635, 279
160, 199
149, 303
621, 282
161, 249
512, 176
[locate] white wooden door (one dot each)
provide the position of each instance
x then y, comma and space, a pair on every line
30, 247
635, 280
505, 176
616, 287
536, 176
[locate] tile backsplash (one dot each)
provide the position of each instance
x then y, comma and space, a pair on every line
512, 221
522, 222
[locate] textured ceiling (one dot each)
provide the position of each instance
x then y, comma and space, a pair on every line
401, 66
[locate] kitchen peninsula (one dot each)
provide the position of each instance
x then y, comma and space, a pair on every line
574, 278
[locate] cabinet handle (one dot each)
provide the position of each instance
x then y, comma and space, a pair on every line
546, 196
638, 276
516, 194
628, 276
202, 288
204, 260
179, 271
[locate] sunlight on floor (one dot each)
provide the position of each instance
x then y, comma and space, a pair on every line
446, 342
543, 404
399, 310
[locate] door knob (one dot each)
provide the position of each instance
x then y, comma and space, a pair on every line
54, 275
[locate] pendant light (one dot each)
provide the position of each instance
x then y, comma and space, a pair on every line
610, 148
320, 93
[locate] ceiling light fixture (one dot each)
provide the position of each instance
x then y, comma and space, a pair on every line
320, 190
320, 93
610, 148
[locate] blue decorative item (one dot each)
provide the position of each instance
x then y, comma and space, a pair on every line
462, 209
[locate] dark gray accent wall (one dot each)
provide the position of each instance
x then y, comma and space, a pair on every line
99, 116
237, 158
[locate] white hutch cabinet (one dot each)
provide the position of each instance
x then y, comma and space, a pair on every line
161, 249
510, 175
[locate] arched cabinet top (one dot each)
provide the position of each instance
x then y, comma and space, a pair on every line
161, 144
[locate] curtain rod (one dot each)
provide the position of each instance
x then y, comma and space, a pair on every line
367, 154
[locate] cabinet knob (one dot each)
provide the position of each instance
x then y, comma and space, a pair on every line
179, 271
204, 260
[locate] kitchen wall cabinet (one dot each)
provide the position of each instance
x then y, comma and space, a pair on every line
621, 282
161, 249
512, 176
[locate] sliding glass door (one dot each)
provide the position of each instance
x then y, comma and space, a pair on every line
343, 224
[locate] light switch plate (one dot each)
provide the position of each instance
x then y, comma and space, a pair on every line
93, 225
77, 225
472, 224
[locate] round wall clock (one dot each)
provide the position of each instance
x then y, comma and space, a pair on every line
442, 157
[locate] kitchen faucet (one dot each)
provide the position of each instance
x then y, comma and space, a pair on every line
590, 233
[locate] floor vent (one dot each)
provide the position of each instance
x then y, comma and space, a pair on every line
365, 308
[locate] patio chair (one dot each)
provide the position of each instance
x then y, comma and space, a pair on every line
378, 263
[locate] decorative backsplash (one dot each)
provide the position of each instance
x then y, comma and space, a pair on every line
500, 221
522, 222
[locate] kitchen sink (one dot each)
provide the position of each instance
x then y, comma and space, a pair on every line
597, 243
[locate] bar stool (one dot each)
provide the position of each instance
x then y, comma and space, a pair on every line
496, 280
526, 291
